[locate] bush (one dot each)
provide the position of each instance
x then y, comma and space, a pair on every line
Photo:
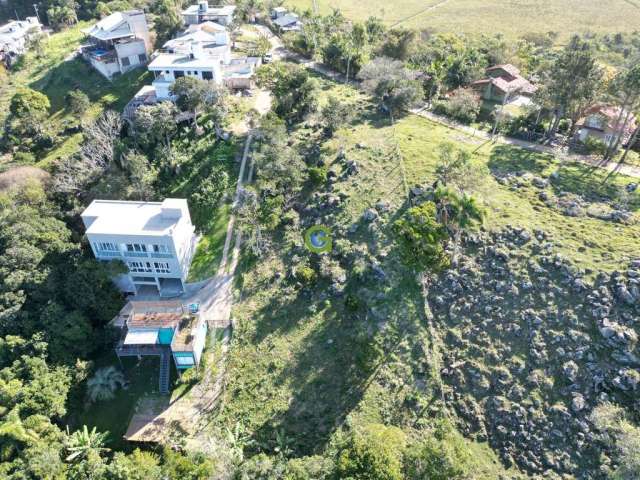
372, 452
318, 175
78, 102
305, 275
24, 158
442, 455
463, 105
594, 146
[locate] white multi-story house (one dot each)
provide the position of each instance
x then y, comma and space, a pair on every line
15, 35
202, 12
156, 241
118, 43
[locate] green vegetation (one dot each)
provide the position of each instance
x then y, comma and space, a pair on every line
492, 16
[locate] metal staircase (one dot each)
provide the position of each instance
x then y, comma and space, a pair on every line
165, 370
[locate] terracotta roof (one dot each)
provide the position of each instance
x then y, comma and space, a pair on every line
611, 114
513, 81
507, 67
154, 319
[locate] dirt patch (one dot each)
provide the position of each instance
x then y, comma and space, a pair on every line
19, 176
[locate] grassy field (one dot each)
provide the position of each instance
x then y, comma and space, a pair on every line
513, 18
298, 368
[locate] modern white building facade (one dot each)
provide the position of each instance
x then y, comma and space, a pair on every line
156, 241
202, 12
118, 43
15, 35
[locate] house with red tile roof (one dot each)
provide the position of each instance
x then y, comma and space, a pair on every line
605, 123
503, 80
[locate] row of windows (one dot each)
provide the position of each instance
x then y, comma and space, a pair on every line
149, 267
180, 73
141, 247
126, 62
106, 246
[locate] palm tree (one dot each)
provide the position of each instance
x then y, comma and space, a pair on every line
14, 435
104, 383
83, 443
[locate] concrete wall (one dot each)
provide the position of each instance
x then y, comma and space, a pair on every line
107, 70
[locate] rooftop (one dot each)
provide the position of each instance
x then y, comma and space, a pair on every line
114, 26
222, 10
154, 319
115, 217
166, 60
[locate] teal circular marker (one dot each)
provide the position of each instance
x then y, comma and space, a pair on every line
318, 239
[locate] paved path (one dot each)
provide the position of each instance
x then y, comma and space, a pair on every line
155, 417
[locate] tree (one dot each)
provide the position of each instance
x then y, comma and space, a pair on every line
14, 436
98, 152
138, 465
104, 383
420, 238
372, 452
625, 90
393, 85
400, 43
464, 105
29, 102
294, 91
247, 211
167, 20
335, 114
24, 126
570, 83
194, 95
455, 168
84, 443
248, 10
62, 13
78, 101
155, 124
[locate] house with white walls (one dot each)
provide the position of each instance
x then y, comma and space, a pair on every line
202, 12
15, 36
118, 43
155, 240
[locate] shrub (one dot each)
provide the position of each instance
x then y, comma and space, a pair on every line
78, 101
372, 452
463, 105
441, 455
24, 158
352, 303
305, 274
420, 237
594, 146
318, 175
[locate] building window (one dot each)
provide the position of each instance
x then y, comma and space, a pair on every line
106, 247
160, 249
125, 61
184, 361
207, 75
139, 267
142, 58
136, 247
178, 73
161, 267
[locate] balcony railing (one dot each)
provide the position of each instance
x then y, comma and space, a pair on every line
161, 255
105, 253
136, 254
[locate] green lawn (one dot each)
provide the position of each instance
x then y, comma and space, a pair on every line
207, 258
512, 19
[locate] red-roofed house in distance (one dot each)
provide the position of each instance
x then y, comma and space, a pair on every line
605, 123
505, 80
